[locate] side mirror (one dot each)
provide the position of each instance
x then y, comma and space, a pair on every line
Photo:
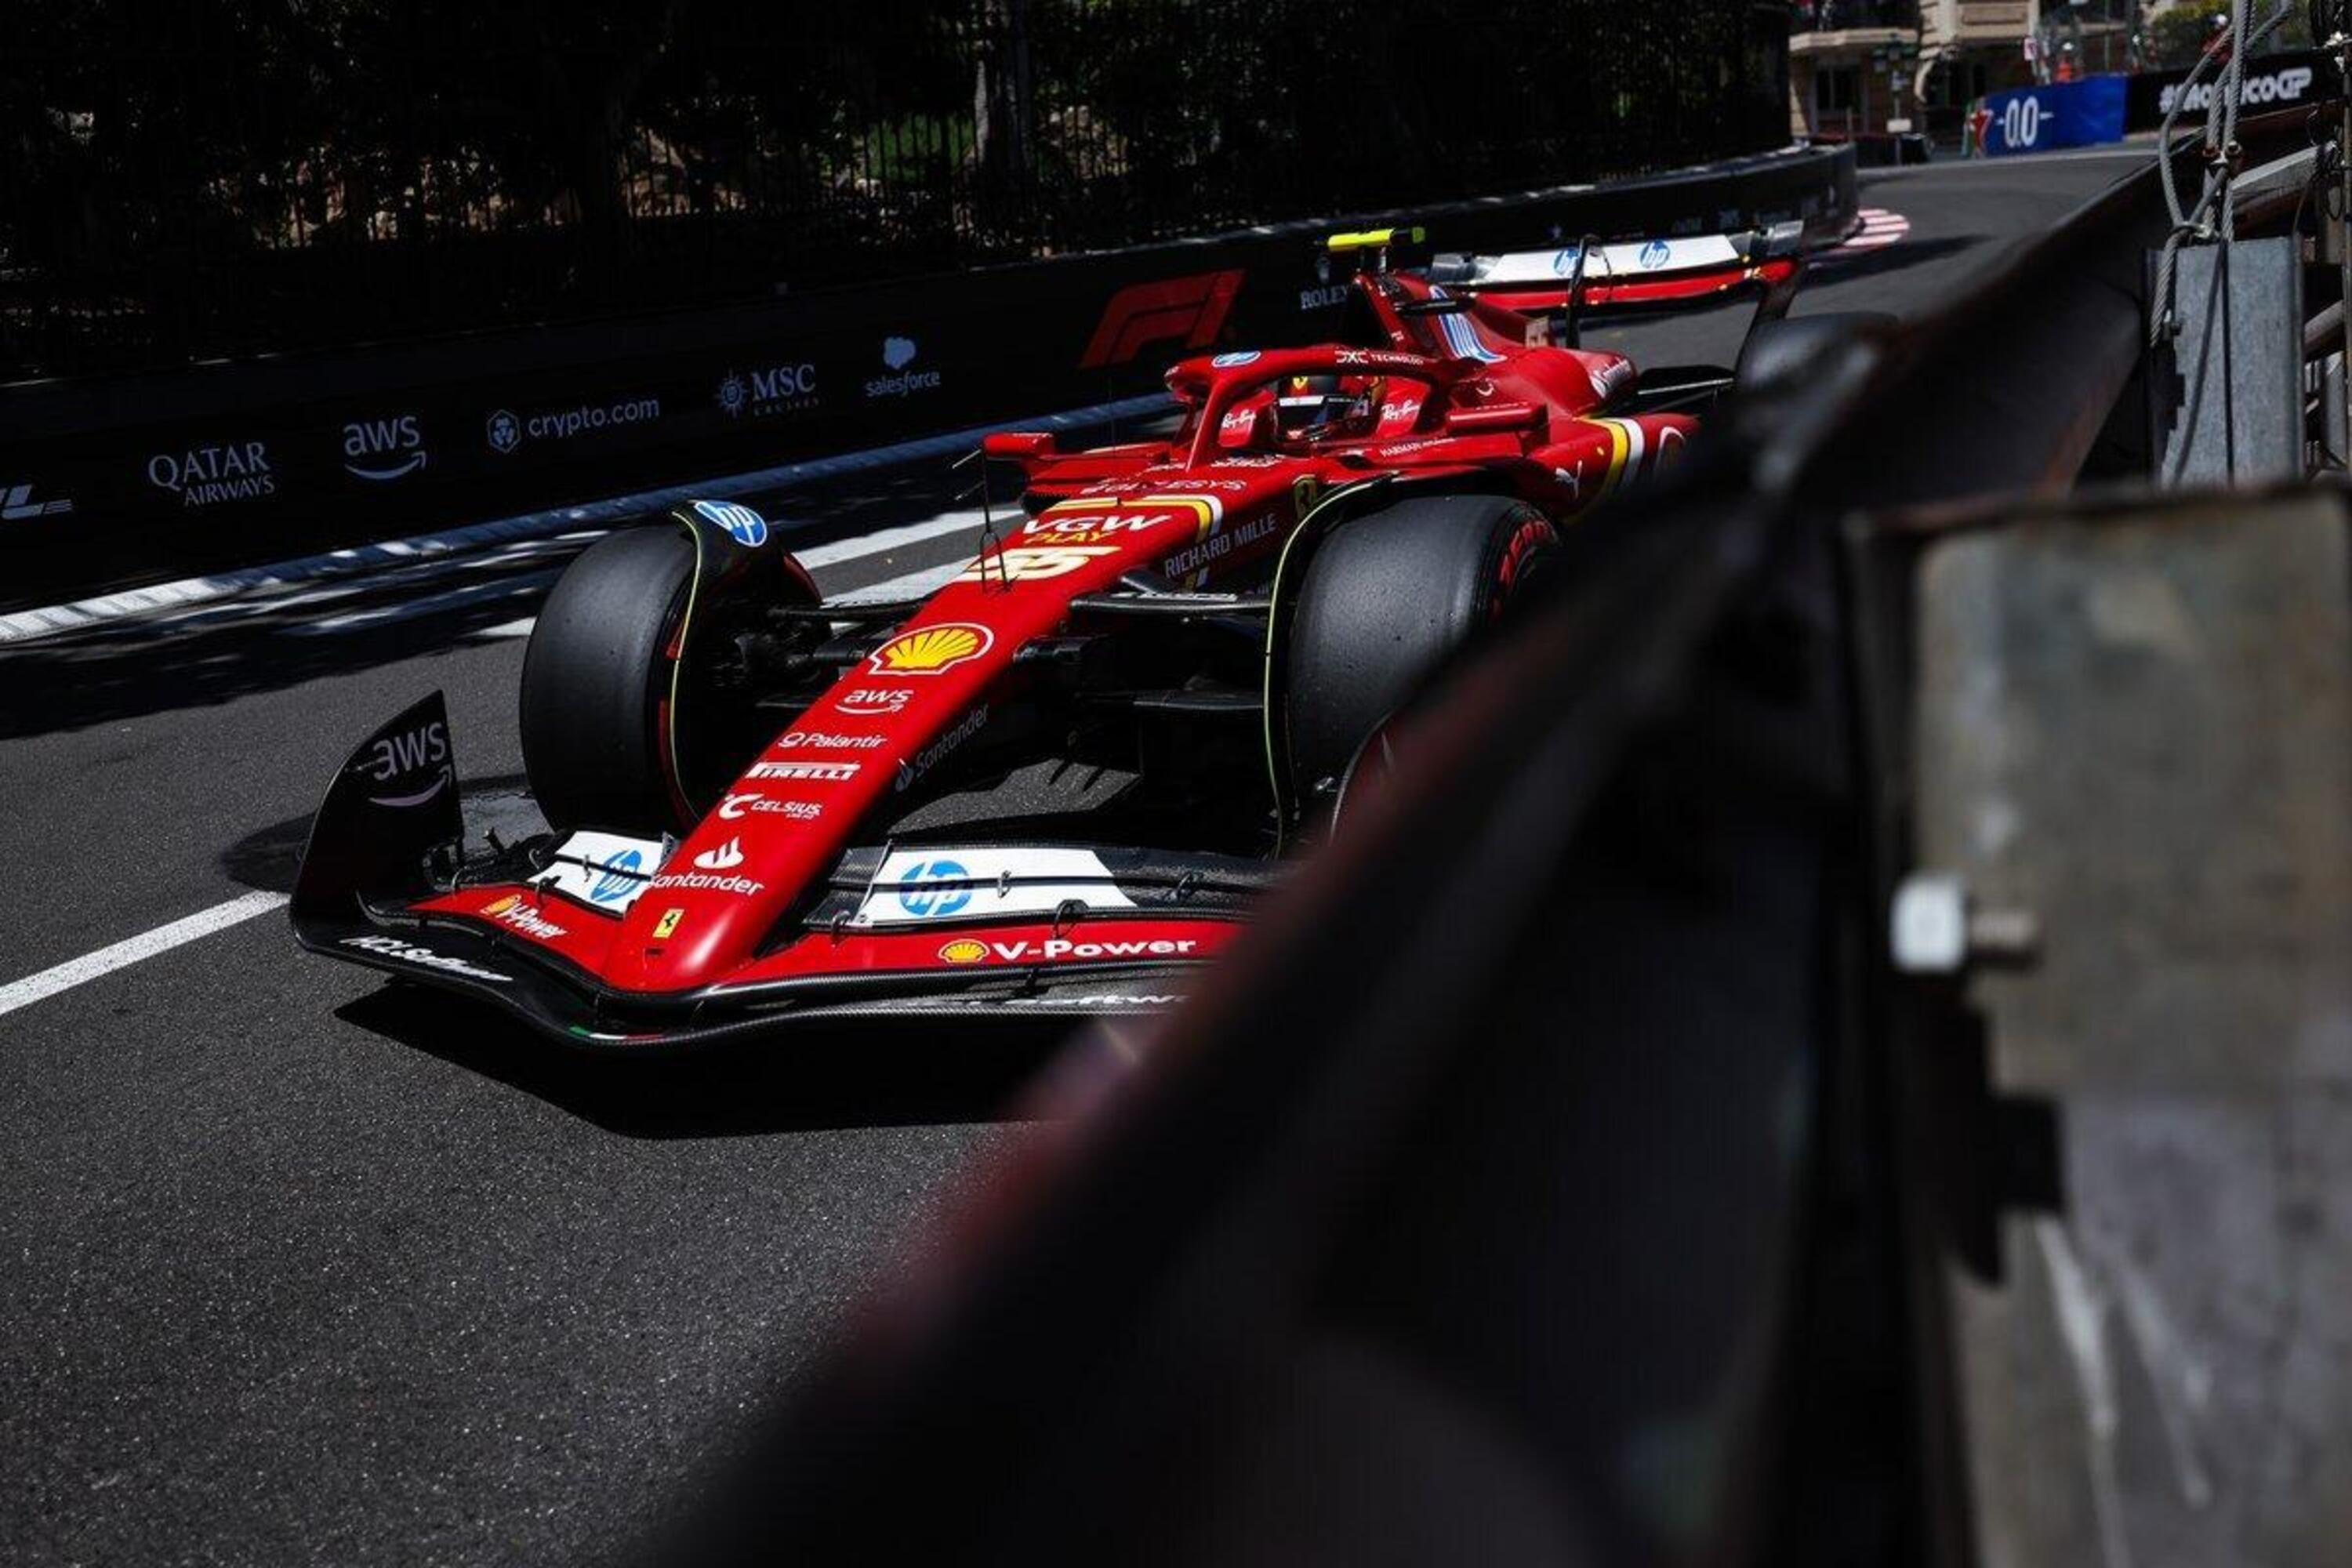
1021, 446
1497, 419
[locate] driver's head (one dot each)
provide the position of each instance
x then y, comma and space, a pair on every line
1311, 407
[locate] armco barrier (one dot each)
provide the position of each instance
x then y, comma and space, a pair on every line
108, 483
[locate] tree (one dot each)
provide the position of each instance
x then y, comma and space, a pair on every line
2181, 35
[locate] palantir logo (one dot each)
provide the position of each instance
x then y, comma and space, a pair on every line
504, 431
382, 451
929, 893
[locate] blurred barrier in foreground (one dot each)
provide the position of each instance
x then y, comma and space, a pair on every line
1562, 1173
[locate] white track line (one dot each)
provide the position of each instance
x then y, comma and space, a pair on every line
913, 585
132, 950
884, 540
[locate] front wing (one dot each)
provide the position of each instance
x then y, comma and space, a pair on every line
384, 883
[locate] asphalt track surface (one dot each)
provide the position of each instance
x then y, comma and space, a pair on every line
302, 1267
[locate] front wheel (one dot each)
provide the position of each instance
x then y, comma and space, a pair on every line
1387, 599
631, 719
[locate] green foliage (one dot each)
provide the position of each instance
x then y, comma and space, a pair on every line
2179, 36
213, 176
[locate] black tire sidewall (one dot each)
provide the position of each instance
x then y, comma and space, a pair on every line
1388, 599
595, 676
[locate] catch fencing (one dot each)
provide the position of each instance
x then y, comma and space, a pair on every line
222, 178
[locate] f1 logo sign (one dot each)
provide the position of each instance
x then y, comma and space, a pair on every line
1193, 309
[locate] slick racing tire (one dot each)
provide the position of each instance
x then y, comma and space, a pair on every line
595, 678
606, 659
1388, 598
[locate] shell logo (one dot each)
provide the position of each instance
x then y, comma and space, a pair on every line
930, 650
500, 906
963, 951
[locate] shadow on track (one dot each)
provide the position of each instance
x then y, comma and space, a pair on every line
1897, 258
268, 857
269, 639
930, 1075
103, 679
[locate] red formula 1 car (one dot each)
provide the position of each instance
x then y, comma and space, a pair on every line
767, 809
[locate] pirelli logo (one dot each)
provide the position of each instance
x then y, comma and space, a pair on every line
1190, 309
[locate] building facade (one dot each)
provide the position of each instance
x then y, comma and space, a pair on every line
1865, 67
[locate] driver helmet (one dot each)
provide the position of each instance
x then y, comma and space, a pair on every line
1308, 407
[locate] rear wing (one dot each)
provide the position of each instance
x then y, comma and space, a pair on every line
1649, 275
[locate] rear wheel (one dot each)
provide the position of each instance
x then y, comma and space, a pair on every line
1387, 599
628, 721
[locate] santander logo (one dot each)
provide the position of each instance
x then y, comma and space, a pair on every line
726, 857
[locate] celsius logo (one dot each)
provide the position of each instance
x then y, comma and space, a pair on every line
933, 889
383, 450
399, 756
736, 807
743, 525
726, 857
1655, 254
778, 389
206, 475
620, 877
897, 354
16, 504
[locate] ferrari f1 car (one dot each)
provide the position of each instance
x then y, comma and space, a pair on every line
760, 802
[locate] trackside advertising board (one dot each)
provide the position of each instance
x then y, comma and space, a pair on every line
2064, 115
2273, 81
